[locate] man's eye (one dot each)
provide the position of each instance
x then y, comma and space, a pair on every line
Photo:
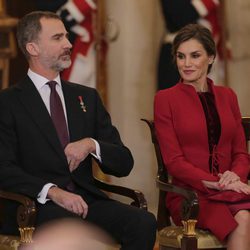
57, 37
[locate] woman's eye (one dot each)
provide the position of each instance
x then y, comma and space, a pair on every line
196, 55
180, 56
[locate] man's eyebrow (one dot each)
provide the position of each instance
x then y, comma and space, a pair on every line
57, 34
61, 35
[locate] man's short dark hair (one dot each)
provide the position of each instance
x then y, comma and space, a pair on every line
29, 27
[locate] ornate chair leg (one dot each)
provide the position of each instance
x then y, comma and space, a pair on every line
26, 234
188, 243
189, 240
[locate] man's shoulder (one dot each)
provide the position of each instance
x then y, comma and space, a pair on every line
14, 89
8, 92
78, 87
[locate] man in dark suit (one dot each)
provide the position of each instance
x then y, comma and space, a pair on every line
51, 162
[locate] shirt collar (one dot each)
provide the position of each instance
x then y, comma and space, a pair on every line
39, 81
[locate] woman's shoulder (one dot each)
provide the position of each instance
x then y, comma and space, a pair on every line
224, 90
174, 90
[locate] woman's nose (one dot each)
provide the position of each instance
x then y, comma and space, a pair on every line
187, 61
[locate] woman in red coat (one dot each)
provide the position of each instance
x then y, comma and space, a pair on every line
202, 141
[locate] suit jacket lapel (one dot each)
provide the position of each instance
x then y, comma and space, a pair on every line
33, 103
76, 117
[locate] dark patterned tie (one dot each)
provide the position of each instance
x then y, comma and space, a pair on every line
57, 114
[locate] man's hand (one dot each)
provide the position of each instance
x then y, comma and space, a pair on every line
77, 151
72, 202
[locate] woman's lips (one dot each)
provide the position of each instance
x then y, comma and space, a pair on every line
188, 72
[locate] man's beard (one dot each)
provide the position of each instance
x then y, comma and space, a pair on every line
61, 65
62, 62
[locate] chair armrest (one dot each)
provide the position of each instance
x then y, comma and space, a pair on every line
137, 196
26, 211
190, 204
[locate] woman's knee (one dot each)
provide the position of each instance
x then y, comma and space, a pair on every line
242, 215
243, 219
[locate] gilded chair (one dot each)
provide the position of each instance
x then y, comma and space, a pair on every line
26, 214
186, 237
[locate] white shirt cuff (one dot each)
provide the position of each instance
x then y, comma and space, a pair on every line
42, 196
97, 150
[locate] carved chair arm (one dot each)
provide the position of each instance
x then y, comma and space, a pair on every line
137, 196
26, 213
190, 204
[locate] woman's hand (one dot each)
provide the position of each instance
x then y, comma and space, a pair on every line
212, 184
228, 177
238, 186
228, 181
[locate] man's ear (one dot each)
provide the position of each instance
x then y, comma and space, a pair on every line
32, 48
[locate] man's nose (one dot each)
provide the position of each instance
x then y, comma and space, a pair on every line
68, 43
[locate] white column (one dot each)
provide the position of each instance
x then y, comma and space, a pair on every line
239, 67
132, 62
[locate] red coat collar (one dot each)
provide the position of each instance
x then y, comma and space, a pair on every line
188, 87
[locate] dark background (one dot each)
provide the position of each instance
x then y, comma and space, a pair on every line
18, 65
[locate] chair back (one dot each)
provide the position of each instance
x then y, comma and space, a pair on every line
163, 215
246, 126
162, 172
